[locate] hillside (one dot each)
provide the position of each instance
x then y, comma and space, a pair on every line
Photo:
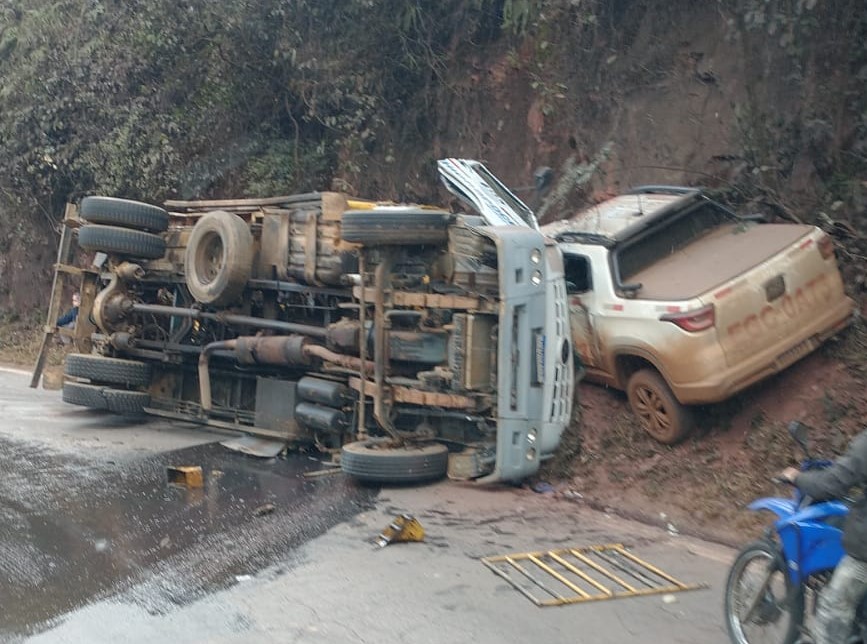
761, 101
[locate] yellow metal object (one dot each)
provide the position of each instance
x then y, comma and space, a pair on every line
577, 575
186, 475
403, 528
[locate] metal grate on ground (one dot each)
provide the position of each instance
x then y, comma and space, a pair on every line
586, 574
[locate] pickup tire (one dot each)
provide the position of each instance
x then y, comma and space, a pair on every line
219, 258
658, 411
108, 371
124, 213
79, 393
125, 242
376, 461
403, 227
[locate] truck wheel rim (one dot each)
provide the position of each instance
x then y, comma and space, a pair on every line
210, 258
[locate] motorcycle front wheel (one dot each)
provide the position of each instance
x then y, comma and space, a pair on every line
761, 603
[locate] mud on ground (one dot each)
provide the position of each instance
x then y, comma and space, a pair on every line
703, 485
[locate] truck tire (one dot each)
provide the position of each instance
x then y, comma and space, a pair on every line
128, 403
407, 226
658, 411
219, 258
108, 371
124, 213
376, 461
115, 240
78, 393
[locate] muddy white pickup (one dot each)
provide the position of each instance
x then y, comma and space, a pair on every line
678, 301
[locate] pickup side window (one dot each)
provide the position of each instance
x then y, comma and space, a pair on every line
577, 269
670, 237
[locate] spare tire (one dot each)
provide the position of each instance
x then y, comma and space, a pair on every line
219, 258
124, 213
121, 241
376, 461
404, 226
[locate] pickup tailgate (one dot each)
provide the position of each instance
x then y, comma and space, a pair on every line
785, 301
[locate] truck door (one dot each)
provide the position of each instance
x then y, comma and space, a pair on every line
475, 186
579, 291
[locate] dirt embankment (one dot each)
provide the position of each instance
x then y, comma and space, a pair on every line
703, 485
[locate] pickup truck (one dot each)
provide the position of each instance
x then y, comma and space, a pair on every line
406, 341
678, 301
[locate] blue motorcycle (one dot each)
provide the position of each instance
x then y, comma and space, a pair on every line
773, 583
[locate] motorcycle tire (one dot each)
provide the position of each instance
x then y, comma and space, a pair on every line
780, 599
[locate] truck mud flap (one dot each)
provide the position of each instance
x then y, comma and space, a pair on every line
586, 574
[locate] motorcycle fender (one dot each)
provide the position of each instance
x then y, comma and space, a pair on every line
783, 508
821, 511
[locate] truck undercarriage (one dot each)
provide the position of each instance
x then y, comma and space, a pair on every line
407, 339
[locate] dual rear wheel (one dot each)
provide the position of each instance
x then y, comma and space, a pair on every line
114, 384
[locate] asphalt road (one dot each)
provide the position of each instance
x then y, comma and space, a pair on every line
96, 547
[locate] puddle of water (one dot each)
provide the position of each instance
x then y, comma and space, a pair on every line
131, 526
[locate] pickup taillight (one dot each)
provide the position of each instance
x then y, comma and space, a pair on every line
692, 321
826, 247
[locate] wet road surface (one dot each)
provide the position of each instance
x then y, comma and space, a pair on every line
72, 531
96, 548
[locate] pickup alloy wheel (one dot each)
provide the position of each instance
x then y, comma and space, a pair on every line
659, 412
376, 461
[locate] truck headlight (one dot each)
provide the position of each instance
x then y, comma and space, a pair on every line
536, 256
536, 278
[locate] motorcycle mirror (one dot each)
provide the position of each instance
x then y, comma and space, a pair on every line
798, 431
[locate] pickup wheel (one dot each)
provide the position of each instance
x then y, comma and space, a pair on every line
125, 242
108, 371
403, 227
124, 213
219, 258
659, 412
376, 460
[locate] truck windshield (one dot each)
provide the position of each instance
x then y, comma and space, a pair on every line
668, 237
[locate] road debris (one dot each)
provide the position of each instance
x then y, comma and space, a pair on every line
403, 528
589, 573
262, 510
185, 475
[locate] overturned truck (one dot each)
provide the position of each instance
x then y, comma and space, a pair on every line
407, 341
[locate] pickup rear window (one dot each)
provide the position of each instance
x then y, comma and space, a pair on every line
668, 237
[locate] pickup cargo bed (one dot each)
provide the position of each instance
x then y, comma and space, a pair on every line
710, 261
